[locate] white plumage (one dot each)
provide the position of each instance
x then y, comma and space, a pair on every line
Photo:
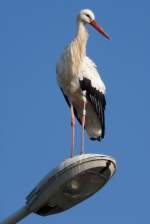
77, 74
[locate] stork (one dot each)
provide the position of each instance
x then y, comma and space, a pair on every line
80, 82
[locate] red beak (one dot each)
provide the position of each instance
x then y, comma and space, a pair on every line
100, 29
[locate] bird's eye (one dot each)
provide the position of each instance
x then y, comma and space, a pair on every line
88, 16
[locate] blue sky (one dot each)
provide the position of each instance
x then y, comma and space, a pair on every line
35, 120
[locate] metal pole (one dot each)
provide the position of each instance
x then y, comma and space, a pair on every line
17, 216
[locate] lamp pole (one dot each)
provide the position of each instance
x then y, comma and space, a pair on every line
17, 216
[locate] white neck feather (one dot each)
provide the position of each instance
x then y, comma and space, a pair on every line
78, 47
81, 38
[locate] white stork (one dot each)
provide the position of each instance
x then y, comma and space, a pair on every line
81, 84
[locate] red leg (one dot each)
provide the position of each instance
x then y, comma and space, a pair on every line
72, 126
83, 122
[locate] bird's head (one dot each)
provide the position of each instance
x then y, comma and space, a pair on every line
87, 16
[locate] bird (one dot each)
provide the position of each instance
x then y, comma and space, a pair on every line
81, 84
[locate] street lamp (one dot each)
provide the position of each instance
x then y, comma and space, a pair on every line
73, 181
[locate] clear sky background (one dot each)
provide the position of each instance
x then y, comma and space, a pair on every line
35, 120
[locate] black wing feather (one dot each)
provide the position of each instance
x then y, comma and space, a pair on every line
97, 99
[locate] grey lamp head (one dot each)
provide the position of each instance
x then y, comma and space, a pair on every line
71, 182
